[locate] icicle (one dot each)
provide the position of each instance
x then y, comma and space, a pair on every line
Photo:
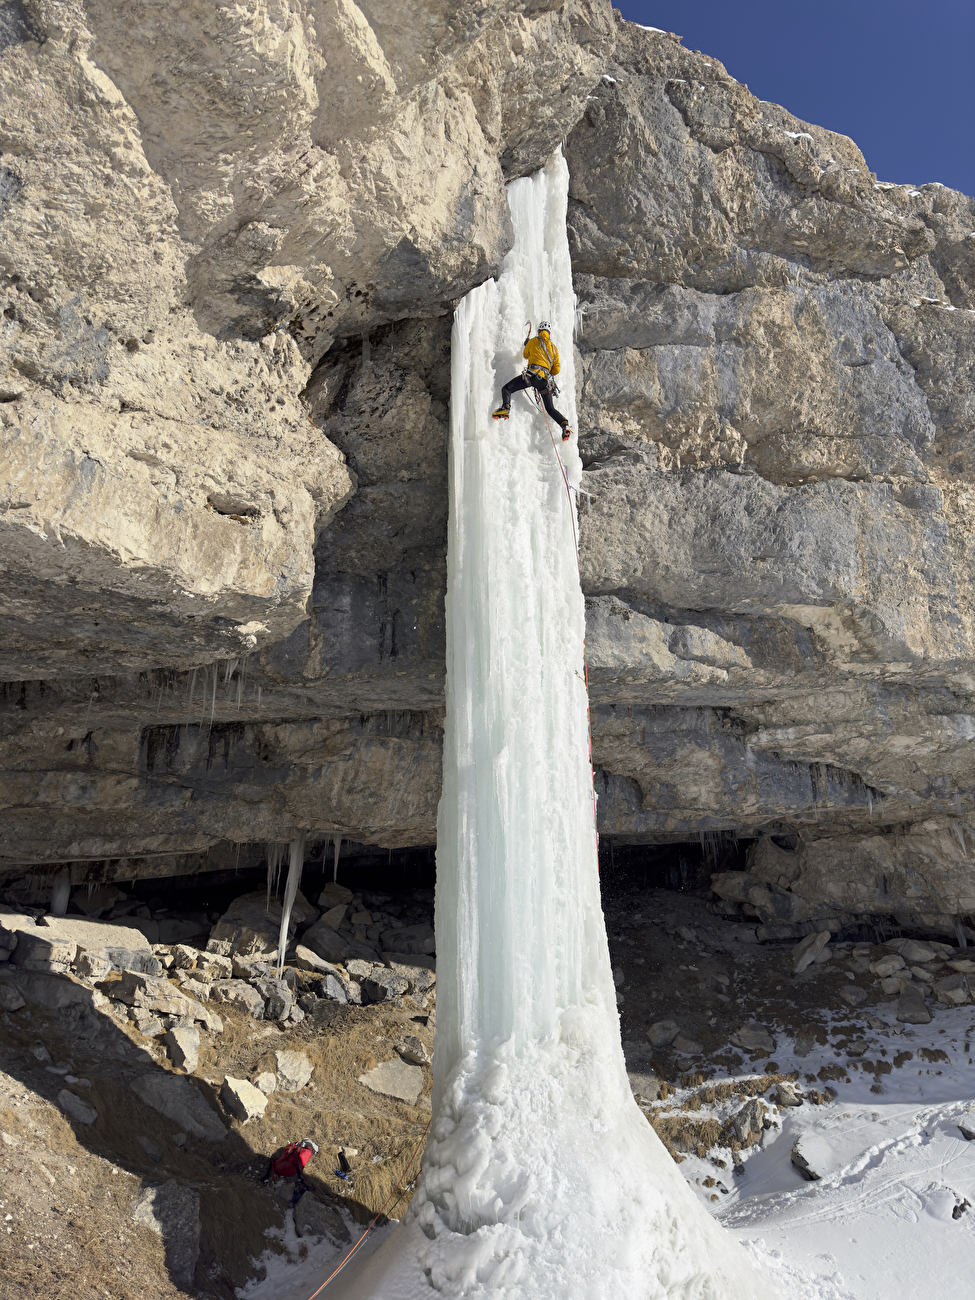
296, 860
275, 856
960, 835
960, 933
336, 850
229, 668
61, 892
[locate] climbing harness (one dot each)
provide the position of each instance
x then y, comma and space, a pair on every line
403, 1185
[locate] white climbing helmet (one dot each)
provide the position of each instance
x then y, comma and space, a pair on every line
544, 325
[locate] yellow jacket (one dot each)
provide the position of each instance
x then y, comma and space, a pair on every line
542, 352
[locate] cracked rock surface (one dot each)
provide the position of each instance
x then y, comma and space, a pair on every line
226, 365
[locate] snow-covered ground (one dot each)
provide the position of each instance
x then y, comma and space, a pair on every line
878, 1225
895, 1170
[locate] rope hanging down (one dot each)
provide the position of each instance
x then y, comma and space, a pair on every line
585, 658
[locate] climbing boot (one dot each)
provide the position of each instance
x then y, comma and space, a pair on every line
501, 413
566, 433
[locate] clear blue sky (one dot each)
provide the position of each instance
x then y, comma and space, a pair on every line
897, 77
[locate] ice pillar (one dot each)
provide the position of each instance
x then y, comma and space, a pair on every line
541, 1179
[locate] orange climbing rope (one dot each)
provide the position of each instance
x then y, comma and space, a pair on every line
390, 1200
585, 659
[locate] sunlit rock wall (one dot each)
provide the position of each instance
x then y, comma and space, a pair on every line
231, 248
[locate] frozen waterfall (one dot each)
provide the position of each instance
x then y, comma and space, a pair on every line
541, 1177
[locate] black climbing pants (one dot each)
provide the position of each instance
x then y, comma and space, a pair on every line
541, 386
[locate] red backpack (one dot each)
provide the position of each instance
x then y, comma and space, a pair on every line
291, 1161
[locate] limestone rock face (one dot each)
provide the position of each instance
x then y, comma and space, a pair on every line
776, 415
181, 248
228, 279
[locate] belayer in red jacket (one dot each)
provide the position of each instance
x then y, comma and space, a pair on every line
291, 1164
543, 365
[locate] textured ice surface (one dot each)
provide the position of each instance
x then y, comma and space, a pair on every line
541, 1177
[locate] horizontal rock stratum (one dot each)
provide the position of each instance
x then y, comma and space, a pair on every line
232, 242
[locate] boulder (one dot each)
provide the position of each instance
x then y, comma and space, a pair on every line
807, 1038
812, 1156
754, 1037
278, 998
663, 1033
183, 1046
886, 966
293, 1070
314, 1219
411, 961
911, 1009
807, 950
212, 966
360, 969
966, 1124
411, 1049
38, 948
238, 994
645, 1087
325, 942
333, 894
243, 1099
914, 951
334, 917
421, 978
73, 1105
55, 992
305, 959
418, 939
102, 946
748, 1123
178, 1099
266, 1081
786, 1094
336, 989
250, 926
251, 968
383, 985
853, 995
159, 995
184, 956
173, 1211
687, 1046
10, 999
147, 1022
11, 925
952, 991
395, 1079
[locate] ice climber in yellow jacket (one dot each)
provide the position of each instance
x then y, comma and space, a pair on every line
543, 364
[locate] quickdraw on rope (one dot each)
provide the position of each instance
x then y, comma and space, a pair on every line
391, 1199
585, 659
